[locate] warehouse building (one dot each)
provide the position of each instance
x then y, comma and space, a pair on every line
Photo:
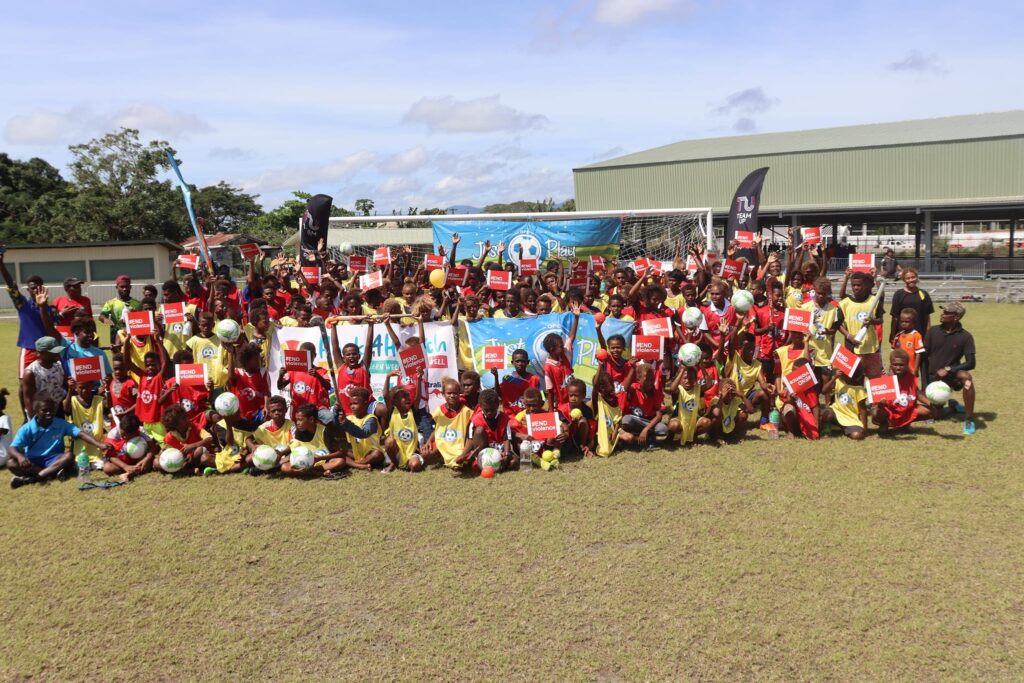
945, 192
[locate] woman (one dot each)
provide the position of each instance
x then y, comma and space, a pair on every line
910, 297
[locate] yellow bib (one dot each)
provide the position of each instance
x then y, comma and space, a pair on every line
820, 344
363, 446
317, 444
280, 437
89, 420
846, 401
690, 406
403, 431
744, 374
450, 433
608, 418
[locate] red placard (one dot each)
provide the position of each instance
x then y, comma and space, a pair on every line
845, 360
433, 262
862, 263
311, 274
744, 239
885, 388
250, 251
811, 235
413, 359
800, 379
710, 257
357, 264
494, 357
542, 426
456, 277
297, 360
499, 280
528, 266
187, 261
581, 268
640, 267
691, 264
648, 347
797, 320
733, 270
371, 281
65, 332
173, 313
655, 267
139, 323
580, 282
657, 327
190, 374
88, 369
597, 263
382, 256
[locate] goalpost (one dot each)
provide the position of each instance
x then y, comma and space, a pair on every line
652, 233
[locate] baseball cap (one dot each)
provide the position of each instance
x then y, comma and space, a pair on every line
71, 281
956, 308
49, 345
120, 279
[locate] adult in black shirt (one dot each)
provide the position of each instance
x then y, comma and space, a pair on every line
910, 296
950, 356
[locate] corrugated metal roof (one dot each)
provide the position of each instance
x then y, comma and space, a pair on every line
945, 129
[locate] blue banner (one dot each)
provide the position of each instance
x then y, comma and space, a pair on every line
541, 240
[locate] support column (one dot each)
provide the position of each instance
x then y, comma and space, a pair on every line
928, 239
1013, 233
917, 237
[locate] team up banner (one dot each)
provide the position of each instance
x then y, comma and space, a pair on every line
529, 333
540, 240
439, 346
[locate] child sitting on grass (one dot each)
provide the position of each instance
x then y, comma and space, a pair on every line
133, 450
909, 406
42, 448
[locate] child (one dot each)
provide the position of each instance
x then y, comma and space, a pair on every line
249, 382
305, 388
363, 431
151, 382
491, 429
86, 411
529, 448
909, 406
513, 385
308, 433
470, 383
84, 346
908, 338
825, 319
451, 427
768, 331
848, 407
708, 376
608, 405
44, 377
645, 408
122, 389
581, 429
689, 420
400, 442
558, 366
275, 432
5, 427
354, 371
748, 375
857, 316
129, 458
41, 449
730, 413
800, 411
414, 385
615, 365
194, 443
194, 399
207, 349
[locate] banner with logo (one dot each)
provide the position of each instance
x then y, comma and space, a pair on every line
529, 333
542, 240
745, 205
439, 346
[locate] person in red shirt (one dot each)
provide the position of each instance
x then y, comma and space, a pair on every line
512, 387
122, 389
491, 428
580, 428
304, 387
641, 424
72, 303
615, 365
800, 411
354, 371
194, 399
909, 406
129, 458
707, 376
558, 366
157, 370
715, 311
247, 379
276, 298
768, 330
181, 432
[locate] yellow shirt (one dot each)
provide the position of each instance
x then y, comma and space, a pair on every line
317, 444
288, 321
854, 314
675, 301
209, 352
266, 434
137, 354
729, 412
608, 418
744, 374
820, 343
403, 431
176, 334
362, 447
250, 334
89, 420
499, 313
450, 433
794, 297
690, 406
846, 402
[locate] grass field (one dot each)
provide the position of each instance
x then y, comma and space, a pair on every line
897, 558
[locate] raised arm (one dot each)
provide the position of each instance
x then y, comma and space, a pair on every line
455, 243
483, 255
368, 351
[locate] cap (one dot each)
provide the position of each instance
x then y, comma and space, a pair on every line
71, 282
48, 345
956, 308
121, 279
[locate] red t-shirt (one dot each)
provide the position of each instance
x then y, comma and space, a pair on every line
708, 379
193, 399
712, 318
147, 409
558, 373
173, 440
495, 436
805, 403
617, 373
306, 388
903, 410
348, 379
643, 404
251, 390
123, 397
511, 390
768, 342
63, 302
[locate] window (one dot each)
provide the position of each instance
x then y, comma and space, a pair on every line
109, 269
52, 272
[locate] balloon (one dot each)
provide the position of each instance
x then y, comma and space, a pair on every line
437, 278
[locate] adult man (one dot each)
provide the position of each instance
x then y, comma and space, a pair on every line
42, 448
950, 355
113, 310
888, 266
69, 305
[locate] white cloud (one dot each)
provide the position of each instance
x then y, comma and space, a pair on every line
46, 127
916, 62
749, 101
603, 21
40, 127
301, 177
156, 118
410, 160
481, 115
232, 153
628, 12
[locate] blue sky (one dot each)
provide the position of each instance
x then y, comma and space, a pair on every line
444, 103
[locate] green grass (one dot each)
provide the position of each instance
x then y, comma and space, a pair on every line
894, 558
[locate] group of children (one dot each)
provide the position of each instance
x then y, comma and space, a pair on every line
325, 421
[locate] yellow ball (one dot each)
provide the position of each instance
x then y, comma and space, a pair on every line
576, 414
547, 456
437, 278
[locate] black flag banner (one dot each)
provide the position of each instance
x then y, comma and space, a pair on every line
314, 229
746, 202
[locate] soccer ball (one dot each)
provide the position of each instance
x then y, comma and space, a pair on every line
692, 317
689, 355
531, 248
226, 403
489, 457
345, 248
742, 300
227, 329
301, 458
264, 458
135, 447
172, 460
938, 392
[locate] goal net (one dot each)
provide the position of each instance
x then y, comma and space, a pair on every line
649, 233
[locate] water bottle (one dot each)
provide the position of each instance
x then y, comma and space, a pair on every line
84, 467
774, 420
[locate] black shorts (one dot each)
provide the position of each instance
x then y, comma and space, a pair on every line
952, 380
768, 368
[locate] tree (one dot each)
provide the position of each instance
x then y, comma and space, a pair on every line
568, 205
226, 208
364, 206
541, 206
118, 195
31, 193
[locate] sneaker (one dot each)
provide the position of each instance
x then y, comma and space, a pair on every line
968, 429
18, 482
957, 407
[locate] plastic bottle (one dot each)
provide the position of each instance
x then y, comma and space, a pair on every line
774, 420
84, 467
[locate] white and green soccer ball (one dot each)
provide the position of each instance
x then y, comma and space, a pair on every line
301, 458
172, 460
135, 447
346, 248
226, 403
938, 392
689, 355
227, 330
264, 457
742, 300
692, 317
489, 457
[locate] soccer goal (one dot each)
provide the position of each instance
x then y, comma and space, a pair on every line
652, 233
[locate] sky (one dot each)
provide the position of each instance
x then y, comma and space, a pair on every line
436, 104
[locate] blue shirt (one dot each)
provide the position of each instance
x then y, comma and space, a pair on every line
76, 351
43, 445
30, 321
